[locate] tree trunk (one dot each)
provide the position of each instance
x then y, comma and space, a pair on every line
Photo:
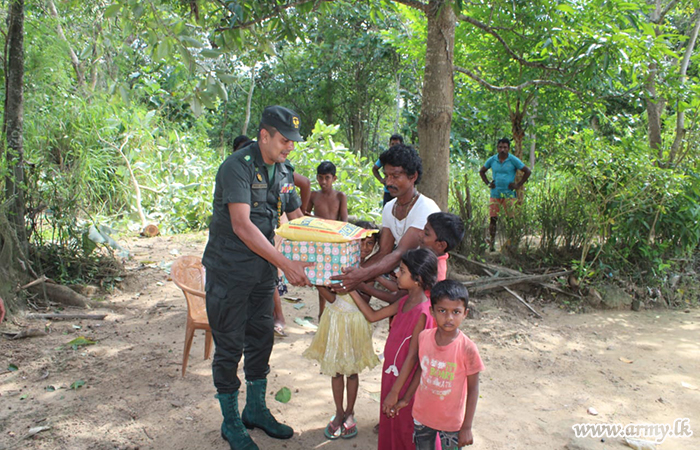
73, 57
516, 125
95, 63
654, 107
397, 105
532, 133
249, 100
680, 114
134, 181
355, 143
437, 106
13, 120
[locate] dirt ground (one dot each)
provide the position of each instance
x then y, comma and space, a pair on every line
541, 376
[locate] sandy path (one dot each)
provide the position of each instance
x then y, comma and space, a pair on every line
540, 378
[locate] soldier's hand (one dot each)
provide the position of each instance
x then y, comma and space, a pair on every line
295, 273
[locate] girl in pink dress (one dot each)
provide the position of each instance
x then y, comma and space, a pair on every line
417, 274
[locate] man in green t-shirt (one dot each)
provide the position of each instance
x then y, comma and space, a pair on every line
503, 186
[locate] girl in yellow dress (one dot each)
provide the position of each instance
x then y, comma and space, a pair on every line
343, 347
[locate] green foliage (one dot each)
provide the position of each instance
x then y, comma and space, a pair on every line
517, 229
81, 341
642, 215
468, 201
608, 208
174, 170
561, 212
166, 87
69, 263
354, 172
77, 384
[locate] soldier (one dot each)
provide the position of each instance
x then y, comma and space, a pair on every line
254, 186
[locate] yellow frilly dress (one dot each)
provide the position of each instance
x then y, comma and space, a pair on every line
343, 341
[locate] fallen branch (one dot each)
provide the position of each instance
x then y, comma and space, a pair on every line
59, 294
492, 267
522, 300
512, 272
39, 280
67, 316
555, 288
30, 433
29, 332
487, 284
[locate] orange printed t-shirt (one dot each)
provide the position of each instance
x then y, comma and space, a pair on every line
442, 267
441, 398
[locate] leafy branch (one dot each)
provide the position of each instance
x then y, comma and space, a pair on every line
414, 4
275, 11
499, 38
519, 87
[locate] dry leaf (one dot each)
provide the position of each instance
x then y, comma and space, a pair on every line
625, 360
639, 444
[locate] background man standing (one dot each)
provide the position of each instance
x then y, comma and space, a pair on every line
503, 186
254, 186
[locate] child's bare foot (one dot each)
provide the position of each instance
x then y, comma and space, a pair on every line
376, 429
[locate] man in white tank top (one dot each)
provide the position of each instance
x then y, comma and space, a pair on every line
403, 218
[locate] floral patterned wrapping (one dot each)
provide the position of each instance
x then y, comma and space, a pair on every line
330, 257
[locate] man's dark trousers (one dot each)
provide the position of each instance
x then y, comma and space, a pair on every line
240, 311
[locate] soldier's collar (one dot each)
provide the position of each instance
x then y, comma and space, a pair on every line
255, 148
279, 167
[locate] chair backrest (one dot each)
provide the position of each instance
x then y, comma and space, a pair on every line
189, 274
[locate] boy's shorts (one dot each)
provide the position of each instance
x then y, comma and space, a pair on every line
496, 204
424, 438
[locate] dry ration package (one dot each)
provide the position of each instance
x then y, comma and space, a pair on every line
330, 257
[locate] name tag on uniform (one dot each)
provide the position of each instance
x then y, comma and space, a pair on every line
286, 188
259, 186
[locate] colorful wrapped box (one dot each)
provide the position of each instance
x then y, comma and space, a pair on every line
330, 257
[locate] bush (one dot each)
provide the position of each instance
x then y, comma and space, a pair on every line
561, 211
469, 202
642, 215
608, 208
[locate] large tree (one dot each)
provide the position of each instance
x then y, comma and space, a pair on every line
13, 237
575, 51
507, 49
438, 84
13, 119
